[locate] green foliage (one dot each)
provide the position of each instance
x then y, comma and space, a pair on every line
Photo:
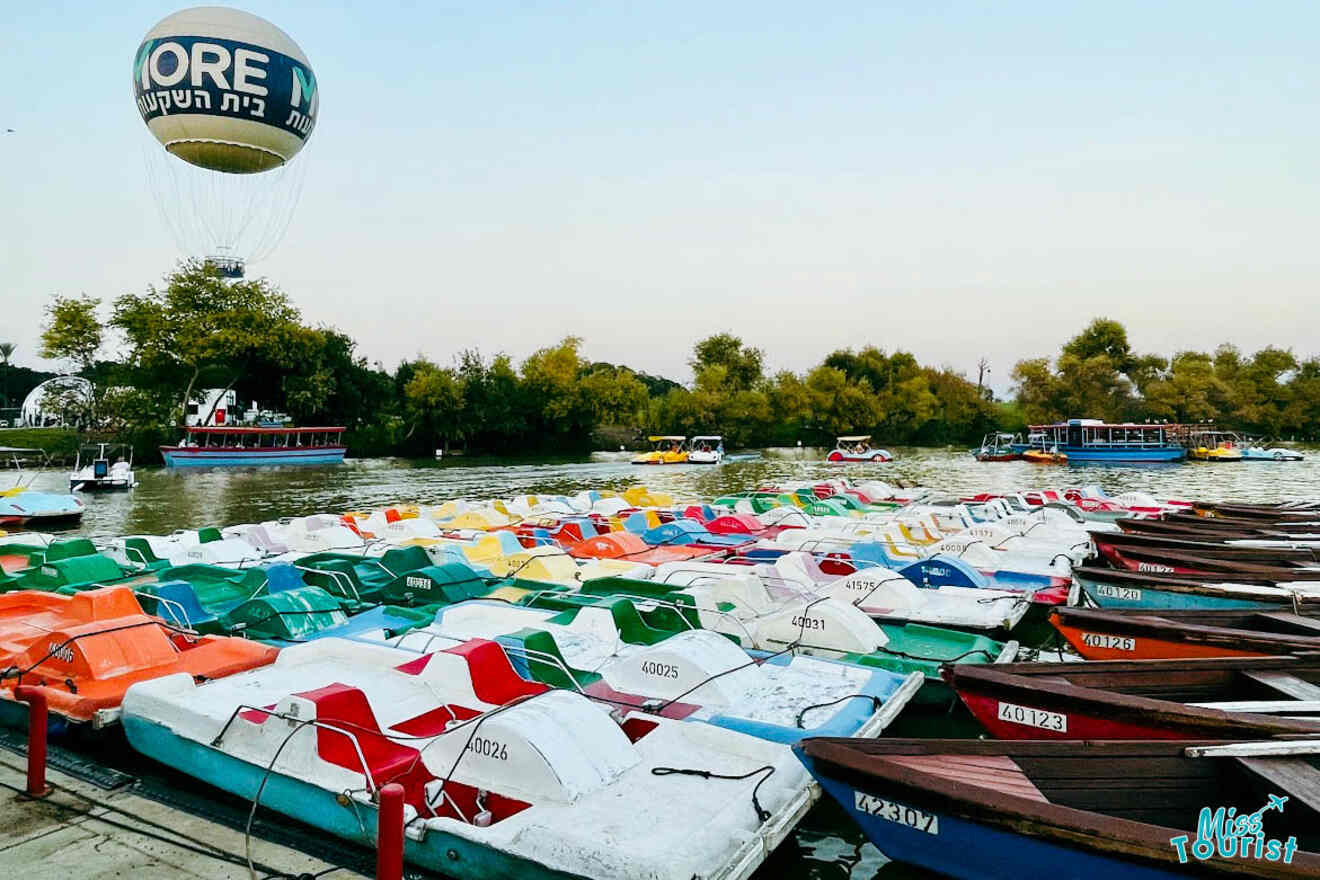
1097, 375
72, 331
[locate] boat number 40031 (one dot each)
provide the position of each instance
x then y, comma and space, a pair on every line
892, 812
803, 622
1015, 714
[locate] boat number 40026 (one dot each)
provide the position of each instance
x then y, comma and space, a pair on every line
1015, 714
892, 812
489, 748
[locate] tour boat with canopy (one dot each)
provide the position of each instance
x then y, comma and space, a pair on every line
211, 446
1084, 440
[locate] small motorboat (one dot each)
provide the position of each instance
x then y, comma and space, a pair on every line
857, 448
997, 447
985, 810
706, 450
666, 449
94, 470
1045, 456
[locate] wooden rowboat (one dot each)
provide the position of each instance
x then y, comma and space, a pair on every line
1183, 634
1233, 698
1072, 810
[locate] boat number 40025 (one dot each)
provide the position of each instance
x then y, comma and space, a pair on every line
892, 812
1015, 714
660, 670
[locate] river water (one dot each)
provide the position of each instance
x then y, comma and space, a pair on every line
827, 844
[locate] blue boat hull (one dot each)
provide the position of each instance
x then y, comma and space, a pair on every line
967, 849
1110, 596
254, 457
1078, 454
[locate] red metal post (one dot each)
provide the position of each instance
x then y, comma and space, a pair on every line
389, 833
37, 715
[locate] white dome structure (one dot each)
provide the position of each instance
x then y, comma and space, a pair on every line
49, 402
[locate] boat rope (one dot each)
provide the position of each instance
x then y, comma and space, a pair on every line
762, 814
876, 703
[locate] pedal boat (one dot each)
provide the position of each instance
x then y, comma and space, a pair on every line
85, 650
503, 777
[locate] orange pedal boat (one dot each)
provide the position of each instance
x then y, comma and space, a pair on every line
85, 650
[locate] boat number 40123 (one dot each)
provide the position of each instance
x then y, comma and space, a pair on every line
892, 812
1015, 714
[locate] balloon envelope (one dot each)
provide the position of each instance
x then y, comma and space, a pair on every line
225, 90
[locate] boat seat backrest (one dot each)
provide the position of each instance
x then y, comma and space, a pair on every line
68, 548
283, 576
179, 598
346, 708
83, 570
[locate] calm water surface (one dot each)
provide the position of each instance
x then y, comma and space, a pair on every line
827, 844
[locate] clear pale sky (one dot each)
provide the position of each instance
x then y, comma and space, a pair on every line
955, 179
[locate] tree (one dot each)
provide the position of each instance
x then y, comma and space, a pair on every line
200, 320
1103, 336
433, 399
72, 331
744, 364
7, 350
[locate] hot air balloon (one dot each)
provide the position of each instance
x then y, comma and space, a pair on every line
233, 100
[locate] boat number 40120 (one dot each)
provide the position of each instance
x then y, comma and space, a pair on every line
892, 812
1125, 594
1015, 714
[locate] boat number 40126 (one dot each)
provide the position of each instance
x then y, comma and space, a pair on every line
1015, 714
1104, 640
892, 812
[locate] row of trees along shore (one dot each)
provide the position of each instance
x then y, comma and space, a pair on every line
198, 330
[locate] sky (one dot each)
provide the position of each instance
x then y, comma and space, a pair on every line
959, 180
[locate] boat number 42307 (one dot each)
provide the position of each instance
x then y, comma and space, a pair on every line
892, 812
